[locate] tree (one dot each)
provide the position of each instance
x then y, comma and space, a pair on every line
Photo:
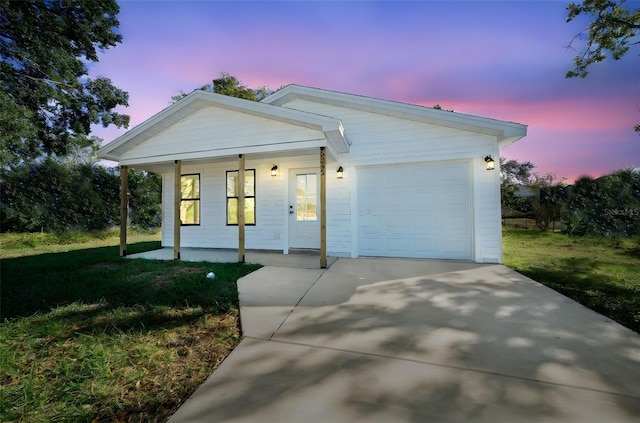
47, 102
146, 198
52, 196
57, 195
609, 205
229, 85
543, 195
548, 201
513, 176
611, 31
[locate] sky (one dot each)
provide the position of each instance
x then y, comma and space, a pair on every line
505, 60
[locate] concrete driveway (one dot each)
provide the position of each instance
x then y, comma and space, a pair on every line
385, 340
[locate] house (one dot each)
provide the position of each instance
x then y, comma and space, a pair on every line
344, 174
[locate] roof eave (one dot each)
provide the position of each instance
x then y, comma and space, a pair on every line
511, 134
106, 152
506, 132
199, 99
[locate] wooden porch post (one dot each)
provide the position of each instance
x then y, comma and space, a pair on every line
124, 190
177, 198
323, 208
241, 209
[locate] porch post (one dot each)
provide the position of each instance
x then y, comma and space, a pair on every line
177, 198
323, 208
241, 209
124, 189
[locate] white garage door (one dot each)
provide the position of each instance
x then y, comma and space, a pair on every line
416, 210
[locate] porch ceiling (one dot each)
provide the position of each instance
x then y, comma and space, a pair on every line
165, 166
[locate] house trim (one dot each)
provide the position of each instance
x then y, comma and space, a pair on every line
332, 128
302, 127
505, 132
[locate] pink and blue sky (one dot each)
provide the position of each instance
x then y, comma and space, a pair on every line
500, 59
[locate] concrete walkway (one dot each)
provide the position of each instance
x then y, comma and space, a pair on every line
383, 340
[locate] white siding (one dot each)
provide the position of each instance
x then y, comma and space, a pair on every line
380, 140
488, 241
375, 140
214, 128
270, 231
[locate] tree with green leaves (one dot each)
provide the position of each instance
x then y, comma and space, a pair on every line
612, 30
53, 195
515, 178
529, 194
229, 85
607, 206
47, 101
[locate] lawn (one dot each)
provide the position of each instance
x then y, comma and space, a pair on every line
88, 336
601, 273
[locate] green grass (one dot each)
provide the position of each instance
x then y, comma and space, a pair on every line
29, 244
601, 273
86, 335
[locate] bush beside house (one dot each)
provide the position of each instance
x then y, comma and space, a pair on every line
53, 196
606, 206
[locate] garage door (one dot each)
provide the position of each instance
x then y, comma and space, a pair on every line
418, 210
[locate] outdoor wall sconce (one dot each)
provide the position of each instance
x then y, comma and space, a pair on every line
274, 170
340, 173
490, 163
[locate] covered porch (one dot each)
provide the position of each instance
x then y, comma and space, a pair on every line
208, 131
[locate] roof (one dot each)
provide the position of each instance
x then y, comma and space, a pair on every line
506, 132
332, 130
197, 100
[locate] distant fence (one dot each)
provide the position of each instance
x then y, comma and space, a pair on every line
527, 223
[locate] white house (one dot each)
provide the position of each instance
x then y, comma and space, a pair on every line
348, 175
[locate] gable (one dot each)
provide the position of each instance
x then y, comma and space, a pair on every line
214, 131
207, 125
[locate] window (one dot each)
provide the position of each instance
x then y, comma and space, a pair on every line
249, 197
190, 199
306, 197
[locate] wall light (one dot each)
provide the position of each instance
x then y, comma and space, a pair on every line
274, 170
340, 173
491, 164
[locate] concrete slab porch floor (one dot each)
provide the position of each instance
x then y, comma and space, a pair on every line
384, 340
303, 259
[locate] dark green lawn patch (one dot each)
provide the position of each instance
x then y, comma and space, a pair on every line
86, 335
39, 283
600, 273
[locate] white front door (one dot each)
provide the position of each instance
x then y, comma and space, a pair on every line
304, 208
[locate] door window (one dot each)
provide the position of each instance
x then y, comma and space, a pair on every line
306, 197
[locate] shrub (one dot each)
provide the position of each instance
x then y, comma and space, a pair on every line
606, 206
53, 196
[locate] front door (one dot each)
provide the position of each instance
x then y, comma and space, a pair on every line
304, 208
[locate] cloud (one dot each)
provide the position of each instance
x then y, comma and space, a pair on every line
504, 60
